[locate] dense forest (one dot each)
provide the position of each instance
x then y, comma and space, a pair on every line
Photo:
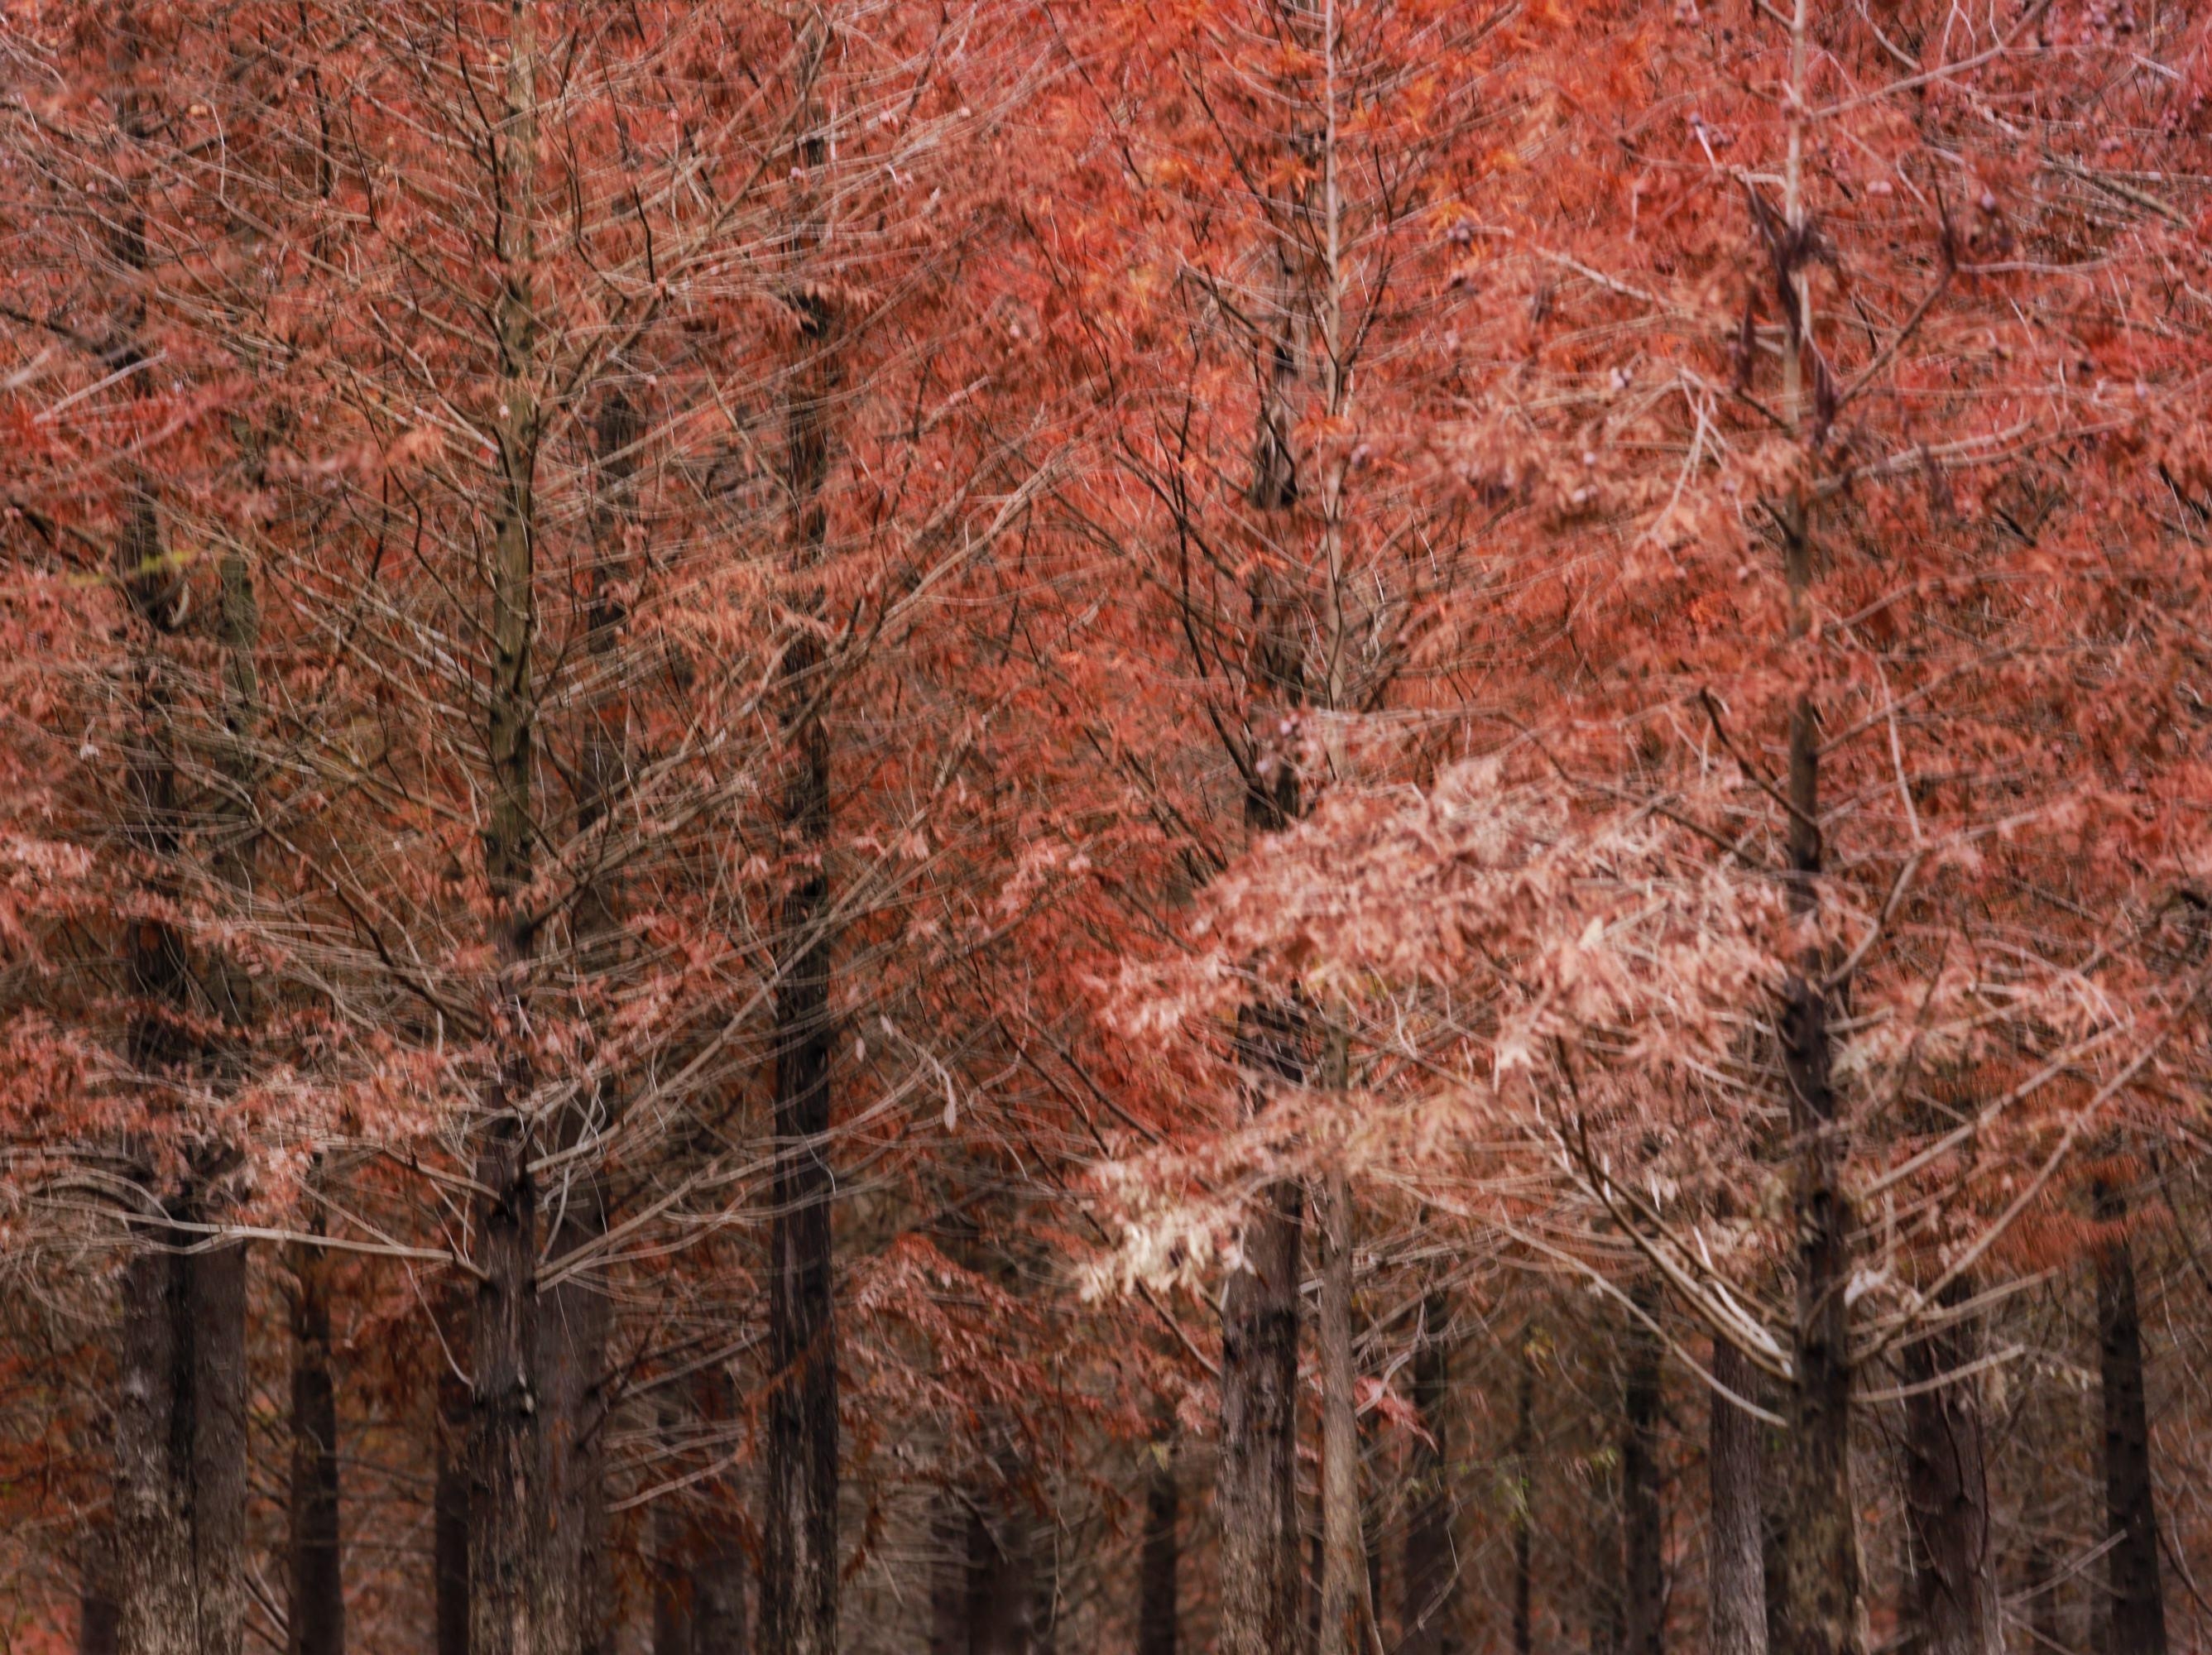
1365, 827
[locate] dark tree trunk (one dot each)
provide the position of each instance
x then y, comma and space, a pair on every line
1955, 1586
2138, 1605
507, 1587
1644, 1537
1160, 1559
948, 1577
315, 1616
1256, 1486
1430, 1584
800, 1573
1735, 1584
509, 1591
1819, 1544
1002, 1584
449, 1516
571, 1369
180, 1450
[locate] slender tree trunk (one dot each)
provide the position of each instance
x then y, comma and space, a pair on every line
1346, 1615
509, 1591
1160, 1559
948, 1574
1429, 1584
449, 1507
156, 1609
1954, 1585
1256, 1494
1002, 1584
1643, 1537
1736, 1568
315, 1616
571, 1362
800, 1581
2138, 1604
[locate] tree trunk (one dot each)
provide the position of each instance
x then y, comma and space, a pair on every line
1344, 1613
2138, 1605
1820, 1552
1160, 1559
315, 1616
1735, 1569
1955, 1586
509, 1589
1255, 1493
1002, 1584
1643, 1537
449, 1509
800, 1576
1429, 1585
571, 1369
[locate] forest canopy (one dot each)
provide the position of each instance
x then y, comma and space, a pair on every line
1366, 827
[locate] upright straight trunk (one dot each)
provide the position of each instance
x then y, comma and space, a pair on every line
315, 1614
180, 1477
1955, 1584
573, 1317
1821, 1591
2138, 1603
1160, 1557
1735, 1567
1429, 1585
1255, 1484
509, 1588
799, 1577
1345, 1613
1642, 1527
1255, 1492
449, 1505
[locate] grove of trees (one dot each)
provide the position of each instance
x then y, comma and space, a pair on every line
1354, 827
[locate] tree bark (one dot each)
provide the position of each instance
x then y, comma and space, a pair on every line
449, 1509
2138, 1604
315, 1615
1346, 1615
1644, 1537
1256, 1494
509, 1589
1160, 1559
1429, 1584
1736, 1568
799, 1579
571, 1361
1954, 1585
1820, 1552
